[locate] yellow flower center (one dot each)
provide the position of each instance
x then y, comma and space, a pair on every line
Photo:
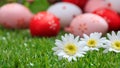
116, 44
70, 49
91, 42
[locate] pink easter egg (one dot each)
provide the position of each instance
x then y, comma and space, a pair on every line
95, 4
15, 16
87, 23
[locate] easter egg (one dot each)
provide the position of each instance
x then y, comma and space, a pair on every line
87, 23
114, 5
112, 18
95, 4
80, 3
44, 24
15, 16
65, 12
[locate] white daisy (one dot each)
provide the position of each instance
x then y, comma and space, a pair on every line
69, 48
113, 42
93, 42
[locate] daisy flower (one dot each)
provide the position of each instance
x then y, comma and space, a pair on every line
69, 48
93, 42
113, 42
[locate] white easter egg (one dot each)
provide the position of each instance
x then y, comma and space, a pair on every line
65, 12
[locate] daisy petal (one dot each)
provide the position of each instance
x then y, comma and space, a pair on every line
74, 59
70, 59
118, 35
85, 36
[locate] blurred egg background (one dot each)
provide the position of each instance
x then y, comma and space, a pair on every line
75, 16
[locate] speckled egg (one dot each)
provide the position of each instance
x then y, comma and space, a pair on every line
65, 12
95, 4
87, 23
44, 24
114, 4
15, 16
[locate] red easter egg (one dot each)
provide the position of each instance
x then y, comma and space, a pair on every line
110, 16
80, 3
44, 24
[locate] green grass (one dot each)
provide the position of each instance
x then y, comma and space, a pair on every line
19, 50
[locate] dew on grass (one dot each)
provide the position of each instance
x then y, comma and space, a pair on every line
31, 64
3, 38
25, 44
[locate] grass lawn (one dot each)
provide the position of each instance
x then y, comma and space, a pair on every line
19, 50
